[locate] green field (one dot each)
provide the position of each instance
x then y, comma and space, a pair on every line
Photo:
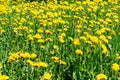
60, 41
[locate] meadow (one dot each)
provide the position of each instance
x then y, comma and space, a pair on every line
60, 41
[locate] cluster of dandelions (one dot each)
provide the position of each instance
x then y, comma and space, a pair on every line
60, 41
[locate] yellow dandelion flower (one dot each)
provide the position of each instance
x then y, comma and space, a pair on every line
55, 58
55, 47
63, 34
38, 36
118, 57
61, 40
109, 37
102, 37
59, 30
48, 32
3, 77
40, 64
89, 42
2, 31
30, 23
101, 77
115, 67
65, 29
30, 62
78, 51
13, 56
48, 39
76, 41
52, 52
62, 62
78, 30
31, 30
82, 38
30, 37
25, 55
33, 55
117, 54
42, 47
47, 76
70, 38
113, 32
40, 31
94, 39
105, 50
41, 41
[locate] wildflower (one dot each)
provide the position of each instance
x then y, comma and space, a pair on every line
33, 55
63, 34
59, 30
22, 20
108, 20
116, 20
76, 41
30, 37
109, 37
82, 38
55, 58
78, 30
41, 41
40, 64
70, 38
50, 23
20, 34
13, 56
115, 67
113, 32
78, 51
43, 64
25, 55
48, 39
30, 23
101, 77
65, 29
117, 56
102, 37
40, 31
3, 77
55, 47
30, 62
47, 76
62, 62
52, 52
42, 47
2, 31
93, 46
48, 32
105, 50
38, 36
61, 40
89, 42
94, 39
